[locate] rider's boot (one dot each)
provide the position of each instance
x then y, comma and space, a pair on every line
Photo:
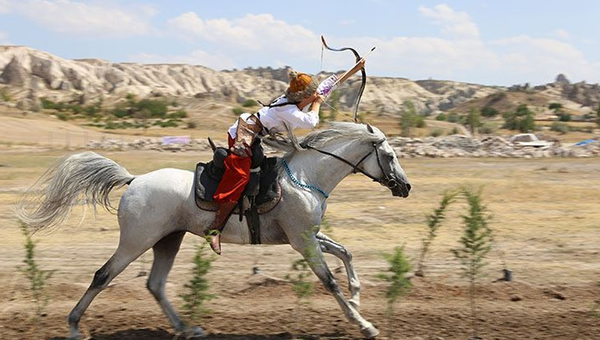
214, 230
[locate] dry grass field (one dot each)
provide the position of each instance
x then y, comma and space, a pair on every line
546, 219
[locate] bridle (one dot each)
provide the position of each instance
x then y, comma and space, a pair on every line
386, 181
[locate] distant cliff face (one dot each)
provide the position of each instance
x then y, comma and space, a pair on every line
42, 72
32, 74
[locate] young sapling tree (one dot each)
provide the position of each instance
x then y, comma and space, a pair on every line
398, 284
476, 243
38, 278
434, 220
196, 290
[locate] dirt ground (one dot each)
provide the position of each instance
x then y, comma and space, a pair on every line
547, 231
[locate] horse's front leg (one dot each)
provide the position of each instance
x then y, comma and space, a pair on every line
338, 250
310, 249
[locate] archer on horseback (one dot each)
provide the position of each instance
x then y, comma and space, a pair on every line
297, 108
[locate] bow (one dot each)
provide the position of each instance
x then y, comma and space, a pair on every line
362, 72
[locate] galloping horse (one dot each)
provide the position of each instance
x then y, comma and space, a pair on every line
159, 207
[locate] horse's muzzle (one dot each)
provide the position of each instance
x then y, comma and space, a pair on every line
398, 188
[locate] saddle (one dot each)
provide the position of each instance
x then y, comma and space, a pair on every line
262, 193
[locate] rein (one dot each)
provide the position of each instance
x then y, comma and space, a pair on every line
386, 181
355, 167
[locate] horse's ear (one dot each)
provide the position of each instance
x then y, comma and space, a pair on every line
370, 128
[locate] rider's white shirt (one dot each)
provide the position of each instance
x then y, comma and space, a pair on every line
273, 117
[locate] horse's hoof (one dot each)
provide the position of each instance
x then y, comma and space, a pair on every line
369, 332
75, 335
194, 332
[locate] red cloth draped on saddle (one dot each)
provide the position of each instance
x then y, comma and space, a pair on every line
235, 178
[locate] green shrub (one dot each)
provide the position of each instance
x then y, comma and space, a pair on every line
434, 220
154, 108
408, 118
453, 118
395, 275
487, 129
167, 123
398, 284
560, 127
121, 112
303, 288
436, 132
5, 95
91, 111
564, 117
38, 278
75, 109
441, 117
249, 103
496, 97
47, 103
476, 244
473, 120
112, 126
62, 116
521, 119
237, 111
489, 112
179, 114
555, 106
196, 290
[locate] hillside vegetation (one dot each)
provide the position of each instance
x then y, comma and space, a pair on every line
117, 96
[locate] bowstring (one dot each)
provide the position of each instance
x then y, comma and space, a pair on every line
325, 102
331, 107
322, 50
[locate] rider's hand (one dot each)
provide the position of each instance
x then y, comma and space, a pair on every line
317, 98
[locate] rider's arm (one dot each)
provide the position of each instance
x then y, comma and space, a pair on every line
316, 101
333, 81
297, 118
344, 76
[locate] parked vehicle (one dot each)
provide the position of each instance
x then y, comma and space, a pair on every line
529, 139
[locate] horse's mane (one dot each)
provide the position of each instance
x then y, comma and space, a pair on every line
339, 130
334, 131
319, 138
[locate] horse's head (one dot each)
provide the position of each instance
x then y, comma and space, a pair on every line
366, 150
382, 164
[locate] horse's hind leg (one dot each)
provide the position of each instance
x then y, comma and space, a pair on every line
338, 250
122, 257
165, 251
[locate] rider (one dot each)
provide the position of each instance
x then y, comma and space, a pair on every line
297, 108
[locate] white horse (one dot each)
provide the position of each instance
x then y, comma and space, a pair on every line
158, 208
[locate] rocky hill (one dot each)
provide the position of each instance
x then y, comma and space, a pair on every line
27, 75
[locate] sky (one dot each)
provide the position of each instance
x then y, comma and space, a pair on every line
477, 41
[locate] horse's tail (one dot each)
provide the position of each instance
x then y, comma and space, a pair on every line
86, 175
